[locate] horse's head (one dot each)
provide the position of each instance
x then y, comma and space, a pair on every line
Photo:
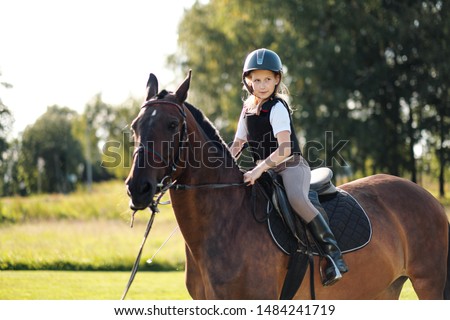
159, 133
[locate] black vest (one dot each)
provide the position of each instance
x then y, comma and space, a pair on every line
260, 136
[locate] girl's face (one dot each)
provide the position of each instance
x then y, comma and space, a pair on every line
263, 83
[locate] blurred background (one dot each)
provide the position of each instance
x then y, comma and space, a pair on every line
369, 82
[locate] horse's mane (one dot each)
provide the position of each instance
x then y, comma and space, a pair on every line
208, 128
206, 125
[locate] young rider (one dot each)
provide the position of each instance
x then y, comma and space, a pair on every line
266, 125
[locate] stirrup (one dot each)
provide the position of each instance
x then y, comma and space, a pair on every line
331, 278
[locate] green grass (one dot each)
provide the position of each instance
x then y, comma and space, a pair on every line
408, 292
89, 245
70, 285
107, 200
84, 231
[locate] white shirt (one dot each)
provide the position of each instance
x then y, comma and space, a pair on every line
279, 120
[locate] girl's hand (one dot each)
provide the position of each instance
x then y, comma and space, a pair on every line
251, 176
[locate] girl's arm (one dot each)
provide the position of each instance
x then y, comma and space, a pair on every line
236, 147
282, 152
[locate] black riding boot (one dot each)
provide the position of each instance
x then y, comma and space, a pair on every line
325, 239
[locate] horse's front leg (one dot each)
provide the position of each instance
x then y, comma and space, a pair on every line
194, 281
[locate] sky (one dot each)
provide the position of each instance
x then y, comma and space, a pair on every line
65, 52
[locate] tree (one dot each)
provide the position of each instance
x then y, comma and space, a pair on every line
51, 157
117, 147
363, 71
91, 129
6, 121
106, 137
214, 39
435, 91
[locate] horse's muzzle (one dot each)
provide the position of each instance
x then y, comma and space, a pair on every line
140, 194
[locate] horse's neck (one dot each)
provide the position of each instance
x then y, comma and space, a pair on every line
207, 163
202, 212
209, 214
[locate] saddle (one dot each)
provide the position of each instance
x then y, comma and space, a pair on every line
347, 220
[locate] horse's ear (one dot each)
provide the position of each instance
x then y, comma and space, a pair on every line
182, 90
152, 86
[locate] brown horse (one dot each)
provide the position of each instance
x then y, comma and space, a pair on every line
231, 256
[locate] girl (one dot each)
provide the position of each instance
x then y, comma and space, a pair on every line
266, 125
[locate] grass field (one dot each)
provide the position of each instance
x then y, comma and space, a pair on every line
89, 285
106, 200
106, 245
81, 285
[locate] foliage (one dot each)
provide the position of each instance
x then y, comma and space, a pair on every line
89, 128
372, 73
118, 144
107, 129
5, 125
63, 149
50, 154
6, 121
368, 81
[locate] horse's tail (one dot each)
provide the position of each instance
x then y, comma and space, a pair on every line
447, 283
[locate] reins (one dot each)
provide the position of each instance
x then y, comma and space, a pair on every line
138, 258
154, 209
206, 186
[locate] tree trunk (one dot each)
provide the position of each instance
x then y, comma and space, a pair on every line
412, 159
442, 154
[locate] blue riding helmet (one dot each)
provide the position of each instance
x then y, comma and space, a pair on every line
261, 59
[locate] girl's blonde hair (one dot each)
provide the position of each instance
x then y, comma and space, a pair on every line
281, 91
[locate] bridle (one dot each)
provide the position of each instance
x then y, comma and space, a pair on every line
167, 182
184, 139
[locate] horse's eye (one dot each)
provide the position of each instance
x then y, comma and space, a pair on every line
173, 125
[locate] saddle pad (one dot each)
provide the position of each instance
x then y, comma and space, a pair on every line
348, 221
